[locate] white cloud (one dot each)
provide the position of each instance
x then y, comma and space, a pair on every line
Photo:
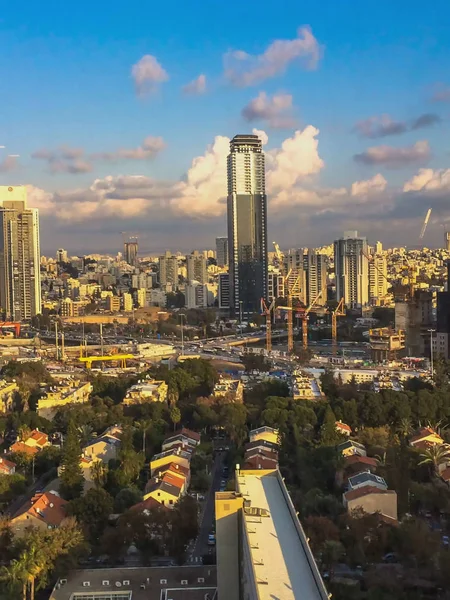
429, 180
384, 125
243, 69
150, 147
369, 187
64, 159
394, 157
148, 74
276, 110
196, 87
262, 135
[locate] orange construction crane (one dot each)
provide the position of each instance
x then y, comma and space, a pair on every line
267, 311
11, 324
338, 312
304, 316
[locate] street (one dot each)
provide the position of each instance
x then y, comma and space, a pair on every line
207, 517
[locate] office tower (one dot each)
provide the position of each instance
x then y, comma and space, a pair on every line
196, 268
20, 282
275, 285
196, 295
315, 266
352, 270
130, 252
61, 256
293, 266
247, 224
442, 338
447, 241
377, 278
224, 290
378, 248
168, 270
222, 251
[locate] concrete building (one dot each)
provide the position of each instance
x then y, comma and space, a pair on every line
196, 295
447, 241
149, 391
247, 224
386, 343
113, 303
9, 390
196, 266
127, 302
63, 393
168, 271
352, 270
415, 317
230, 388
442, 337
315, 266
224, 290
222, 251
262, 550
377, 279
62, 256
20, 281
275, 285
294, 265
141, 297
130, 252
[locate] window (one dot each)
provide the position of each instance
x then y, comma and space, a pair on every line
86, 583
163, 582
105, 582
201, 580
126, 582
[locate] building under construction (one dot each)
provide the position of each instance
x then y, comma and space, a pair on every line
415, 318
386, 344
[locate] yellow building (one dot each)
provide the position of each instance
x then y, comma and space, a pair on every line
8, 392
149, 391
70, 392
104, 447
113, 303
43, 511
264, 433
176, 456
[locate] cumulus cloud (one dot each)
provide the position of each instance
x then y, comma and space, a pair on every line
276, 110
393, 157
150, 147
195, 87
9, 163
243, 69
64, 159
262, 135
383, 125
369, 187
148, 74
429, 180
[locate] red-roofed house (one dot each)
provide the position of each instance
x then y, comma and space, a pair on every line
148, 504
260, 461
343, 428
175, 470
425, 438
44, 511
7, 467
37, 439
22, 448
372, 500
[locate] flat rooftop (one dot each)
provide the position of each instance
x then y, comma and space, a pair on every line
139, 583
279, 559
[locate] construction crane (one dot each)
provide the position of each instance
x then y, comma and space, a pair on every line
305, 318
289, 287
339, 311
16, 325
425, 223
267, 311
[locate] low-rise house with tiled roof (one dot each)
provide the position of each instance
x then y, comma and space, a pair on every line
350, 447
176, 470
177, 456
7, 467
184, 434
21, 448
262, 444
445, 475
104, 447
269, 434
366, 478
425, 438
343, 428
166, 490
44, 511
372, 499
37, 439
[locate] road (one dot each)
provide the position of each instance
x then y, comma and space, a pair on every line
207, 518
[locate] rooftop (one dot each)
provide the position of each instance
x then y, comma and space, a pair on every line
48, 507
279, 550
366, 479
140, 583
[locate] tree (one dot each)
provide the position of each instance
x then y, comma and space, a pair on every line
85, 433
72, 481
233, 417
328, 434
255, 362
175, 416
92, 511
99, 473
435, 456
332, 552
126, 498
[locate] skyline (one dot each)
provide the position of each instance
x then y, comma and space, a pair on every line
126, 127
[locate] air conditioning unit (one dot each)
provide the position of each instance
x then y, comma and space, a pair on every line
105, 582
163, 582
201, 580
62, 581
126, 582
184, 582
86, 583
118, 584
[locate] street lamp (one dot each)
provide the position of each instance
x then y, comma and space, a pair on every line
182, 316
431, 331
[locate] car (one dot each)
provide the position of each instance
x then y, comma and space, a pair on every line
390, 557
223, 483
211, 539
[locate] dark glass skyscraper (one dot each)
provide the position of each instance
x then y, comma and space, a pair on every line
247, 225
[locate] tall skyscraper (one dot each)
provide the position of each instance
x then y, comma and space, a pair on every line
62, 256
224, 290
20, 282
315, 266
377, 278
294, 266
196, 267
130, 252
222, 251
447, 241
168, 270
352, 270
247, 224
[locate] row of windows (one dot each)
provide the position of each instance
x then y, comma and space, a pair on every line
102, 596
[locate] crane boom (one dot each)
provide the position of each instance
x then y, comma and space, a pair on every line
425, 223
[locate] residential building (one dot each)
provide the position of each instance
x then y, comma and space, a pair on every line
148, 391
262, 550
72, 391
62, 256
315, 265
44, 511
264, 433
260, 459
351, 447
113, 303
352, 270
20, 282
166, 490
425, 438
442, 337
371, 499
104, 447
138, 583
447, 241
187, 437
131, 252
233, 389
294, 267
9, 391
415, 317
175, 470
222, 251
196, 265
224, 290
127, 302
7, 467
176, 456
343, 428
168, 271
261, 445
378, 282
275, 286
247, 224
196, 295
141, 297
366, 478
355, 463
304, 386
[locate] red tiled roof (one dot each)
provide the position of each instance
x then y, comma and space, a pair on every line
148, 505
39, 437
48, 507
364, 491
260, 462
24, 449
261, 452
172, 467
190, 434
357, 459
422, 433
344, 426
173, 480
6, 465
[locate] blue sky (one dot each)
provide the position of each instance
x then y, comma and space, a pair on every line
67, 81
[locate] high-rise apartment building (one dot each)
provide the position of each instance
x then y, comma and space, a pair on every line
196, 267
377, 278
247, 224
224, 290
127, 302
130, 253
447, 241
168, 270
315, 266
442, 337
20, 282
352, 270
196, 295
61, 256
222, 251
275, 285
294, 268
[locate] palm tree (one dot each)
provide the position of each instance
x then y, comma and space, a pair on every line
143, 426
404, 428
15, 575
435, 456
99, 472
175, 416
85, 433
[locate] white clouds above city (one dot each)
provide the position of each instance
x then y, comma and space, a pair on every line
395, 157
274, 110
148, 74
196, 87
